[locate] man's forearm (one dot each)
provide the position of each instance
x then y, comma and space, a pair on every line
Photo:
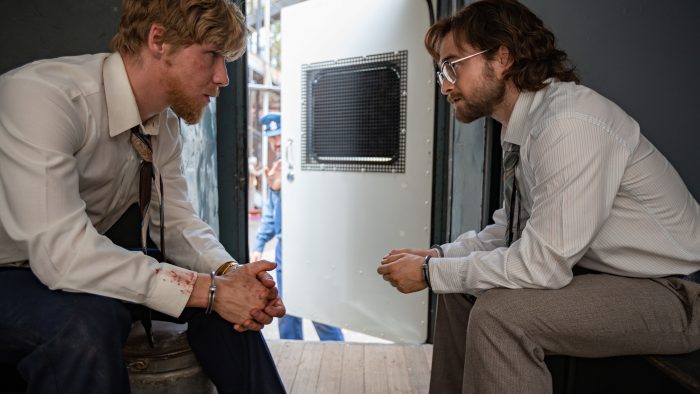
200, 292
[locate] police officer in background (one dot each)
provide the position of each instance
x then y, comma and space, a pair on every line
290, 327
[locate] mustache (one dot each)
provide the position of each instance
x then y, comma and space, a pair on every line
454, 96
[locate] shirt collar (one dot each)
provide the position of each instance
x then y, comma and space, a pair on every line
122, 111
516, 131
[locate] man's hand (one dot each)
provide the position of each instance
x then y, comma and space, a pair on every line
274, 175
404, 271
274, 308
240, 292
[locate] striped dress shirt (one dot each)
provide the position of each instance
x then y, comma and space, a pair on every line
598, 194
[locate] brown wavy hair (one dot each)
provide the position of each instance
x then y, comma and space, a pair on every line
489, 24
186, 22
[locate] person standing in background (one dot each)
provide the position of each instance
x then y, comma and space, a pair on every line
290, 327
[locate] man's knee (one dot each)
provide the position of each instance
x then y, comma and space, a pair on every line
86, 333
499, 307
92, 325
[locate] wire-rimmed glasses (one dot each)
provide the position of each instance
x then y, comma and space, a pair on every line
447, 68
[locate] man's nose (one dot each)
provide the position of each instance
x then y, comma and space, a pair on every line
220, 73
446, 87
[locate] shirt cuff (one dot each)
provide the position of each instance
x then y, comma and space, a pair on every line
172, 289
446, 274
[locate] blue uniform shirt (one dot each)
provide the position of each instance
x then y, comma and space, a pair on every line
271, 222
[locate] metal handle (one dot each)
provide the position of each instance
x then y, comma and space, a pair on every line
289, 159
137, 365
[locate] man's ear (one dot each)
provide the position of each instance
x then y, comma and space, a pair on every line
502, 60
156, 41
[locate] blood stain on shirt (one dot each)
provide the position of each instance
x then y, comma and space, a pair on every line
184, 280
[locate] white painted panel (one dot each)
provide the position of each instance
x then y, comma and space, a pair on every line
338, 225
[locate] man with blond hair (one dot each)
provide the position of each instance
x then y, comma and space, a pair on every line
83, 139
595, 252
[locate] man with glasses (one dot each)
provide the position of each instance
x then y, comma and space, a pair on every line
84, 138
596, 247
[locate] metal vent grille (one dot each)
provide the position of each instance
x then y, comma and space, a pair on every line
354, 114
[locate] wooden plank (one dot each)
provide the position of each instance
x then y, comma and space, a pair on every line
290, 356
275, 350
331, 368
352, 380
396, 372
376, 369
417, 367
309, 368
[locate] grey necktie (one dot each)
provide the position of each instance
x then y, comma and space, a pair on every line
511, 192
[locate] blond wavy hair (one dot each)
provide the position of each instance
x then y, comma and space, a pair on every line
206, 22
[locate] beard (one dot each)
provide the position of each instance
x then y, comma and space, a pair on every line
184, 106
484, 98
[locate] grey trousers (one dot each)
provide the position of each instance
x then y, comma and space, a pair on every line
498, 344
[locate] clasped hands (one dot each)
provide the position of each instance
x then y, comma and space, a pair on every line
403, 268
247, 296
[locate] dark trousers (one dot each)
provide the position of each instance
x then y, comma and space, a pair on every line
72, 342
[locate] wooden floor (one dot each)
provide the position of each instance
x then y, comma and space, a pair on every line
340, 367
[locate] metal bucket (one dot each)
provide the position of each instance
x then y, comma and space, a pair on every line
169, 368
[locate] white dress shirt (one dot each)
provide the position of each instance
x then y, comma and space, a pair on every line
68, 172
598, 194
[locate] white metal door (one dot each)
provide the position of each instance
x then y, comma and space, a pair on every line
337, 225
